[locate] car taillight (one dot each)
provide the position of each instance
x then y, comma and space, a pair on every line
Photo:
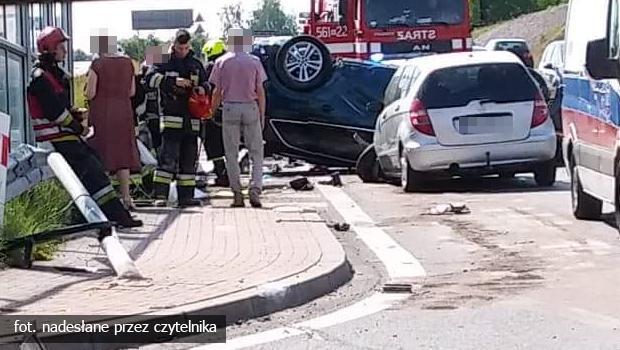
541, 112
420, 120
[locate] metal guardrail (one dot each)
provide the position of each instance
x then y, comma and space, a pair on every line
29, 166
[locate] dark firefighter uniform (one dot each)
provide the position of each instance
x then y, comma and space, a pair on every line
54, 121
211, 130
179, 148
152, 113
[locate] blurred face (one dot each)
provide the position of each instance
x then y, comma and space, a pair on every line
240, 40
181, 50
61, 52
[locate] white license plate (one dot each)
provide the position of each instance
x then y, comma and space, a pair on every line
484, 125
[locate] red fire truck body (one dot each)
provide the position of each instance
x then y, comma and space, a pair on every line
390, 29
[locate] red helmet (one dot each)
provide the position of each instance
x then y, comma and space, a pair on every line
200, 106
49, 39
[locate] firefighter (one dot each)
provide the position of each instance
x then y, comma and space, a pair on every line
152, 113
211, 130
177, 79
55, 121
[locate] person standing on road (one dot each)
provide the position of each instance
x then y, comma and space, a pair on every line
238, 78
55, 121
211, 130
177, 80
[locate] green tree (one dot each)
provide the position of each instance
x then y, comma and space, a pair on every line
270, 17
79, 55
231, 16
135, 46
198, 41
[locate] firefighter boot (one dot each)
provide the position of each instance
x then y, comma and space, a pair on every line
115, 211
221, 179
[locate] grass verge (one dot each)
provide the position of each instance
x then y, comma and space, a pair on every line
46, 207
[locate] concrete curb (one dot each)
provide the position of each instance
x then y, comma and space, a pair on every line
330, 273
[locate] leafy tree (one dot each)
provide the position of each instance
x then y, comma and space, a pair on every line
198, 41
135, 46
270, 17
231, 16
79, 55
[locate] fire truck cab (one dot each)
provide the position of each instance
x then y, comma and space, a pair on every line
389, 29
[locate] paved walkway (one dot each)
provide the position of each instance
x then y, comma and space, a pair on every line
241, 262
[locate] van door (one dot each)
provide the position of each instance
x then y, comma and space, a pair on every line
580, 109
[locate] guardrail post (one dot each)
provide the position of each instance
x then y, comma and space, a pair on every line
121, 262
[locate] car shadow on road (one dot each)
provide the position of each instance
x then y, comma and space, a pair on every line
491, 185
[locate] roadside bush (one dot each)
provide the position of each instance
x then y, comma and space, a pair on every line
48, 206
79, 83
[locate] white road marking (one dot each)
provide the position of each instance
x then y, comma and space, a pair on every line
399, 263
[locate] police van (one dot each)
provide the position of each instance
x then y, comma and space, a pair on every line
591, 106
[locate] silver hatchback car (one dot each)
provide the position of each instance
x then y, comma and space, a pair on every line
472, 113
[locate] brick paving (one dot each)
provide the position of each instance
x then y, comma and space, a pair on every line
193, 259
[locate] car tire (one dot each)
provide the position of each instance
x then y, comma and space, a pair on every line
585, 207
545, 173
244, 164
411, 180
368, 167
310, 62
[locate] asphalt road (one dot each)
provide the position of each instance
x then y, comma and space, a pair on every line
518, 272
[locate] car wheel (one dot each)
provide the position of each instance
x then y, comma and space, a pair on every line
585, 206
411, 180
544, 174
303, 63
244, 164
368, 167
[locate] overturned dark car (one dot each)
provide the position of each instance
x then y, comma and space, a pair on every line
319, 110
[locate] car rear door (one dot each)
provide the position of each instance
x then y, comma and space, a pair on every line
480, 104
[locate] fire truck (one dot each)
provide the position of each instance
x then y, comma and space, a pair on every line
367, 29
375, 30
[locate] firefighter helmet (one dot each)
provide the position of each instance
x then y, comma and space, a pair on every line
49, 38
213, 48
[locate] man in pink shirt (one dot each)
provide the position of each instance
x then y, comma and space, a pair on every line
238, 77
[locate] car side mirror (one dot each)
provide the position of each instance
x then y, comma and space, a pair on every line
374, 107
598, 65
549, 66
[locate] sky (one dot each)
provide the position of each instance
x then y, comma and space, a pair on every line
115, 16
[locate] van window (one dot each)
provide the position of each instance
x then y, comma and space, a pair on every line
458, 86
585, 22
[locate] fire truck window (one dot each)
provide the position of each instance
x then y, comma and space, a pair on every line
342, 11
411, 12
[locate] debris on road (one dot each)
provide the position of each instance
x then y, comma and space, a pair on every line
397, 288
444, 209
342, 227
301, 184
335, 180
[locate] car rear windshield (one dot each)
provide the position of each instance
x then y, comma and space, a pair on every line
511, 45
458, 86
